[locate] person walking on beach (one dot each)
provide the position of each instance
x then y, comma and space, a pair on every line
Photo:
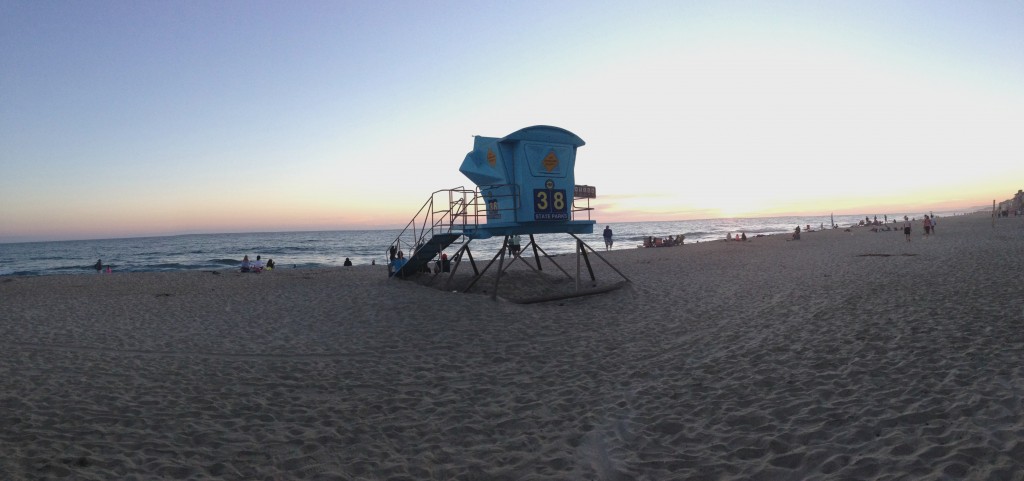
608, 237
933, 224
927, 225
906, 227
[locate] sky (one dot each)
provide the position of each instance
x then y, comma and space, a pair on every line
134, 118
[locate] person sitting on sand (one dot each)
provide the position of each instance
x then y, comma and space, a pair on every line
246, 265
743, 236
270, 264
258, 265
348, 262
796, 233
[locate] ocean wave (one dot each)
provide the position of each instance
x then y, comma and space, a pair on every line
75, 268
167, 266
20, 273
278, 251
302, 265
46, 258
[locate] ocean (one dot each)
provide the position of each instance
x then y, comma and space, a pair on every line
303, 250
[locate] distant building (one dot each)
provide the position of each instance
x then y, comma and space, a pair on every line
1014, 206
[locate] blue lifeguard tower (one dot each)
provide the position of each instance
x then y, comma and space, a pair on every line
527, 182
525, 185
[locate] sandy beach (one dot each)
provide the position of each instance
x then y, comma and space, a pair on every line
845, 355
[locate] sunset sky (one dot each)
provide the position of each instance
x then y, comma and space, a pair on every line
130, 118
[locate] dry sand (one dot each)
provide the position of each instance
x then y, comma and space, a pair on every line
770, 359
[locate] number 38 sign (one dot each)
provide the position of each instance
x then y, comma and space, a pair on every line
550, 204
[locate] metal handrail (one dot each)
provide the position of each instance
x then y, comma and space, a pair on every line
464, 208
576, 208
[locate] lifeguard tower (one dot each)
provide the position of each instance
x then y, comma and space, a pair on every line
525, 185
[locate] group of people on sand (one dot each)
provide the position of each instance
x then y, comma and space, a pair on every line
796, 232
396, 259
867, 221
929, 225
908, 223
741, 237
257, 265
669, 241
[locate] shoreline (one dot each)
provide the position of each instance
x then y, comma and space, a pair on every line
323, 249
842, 355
